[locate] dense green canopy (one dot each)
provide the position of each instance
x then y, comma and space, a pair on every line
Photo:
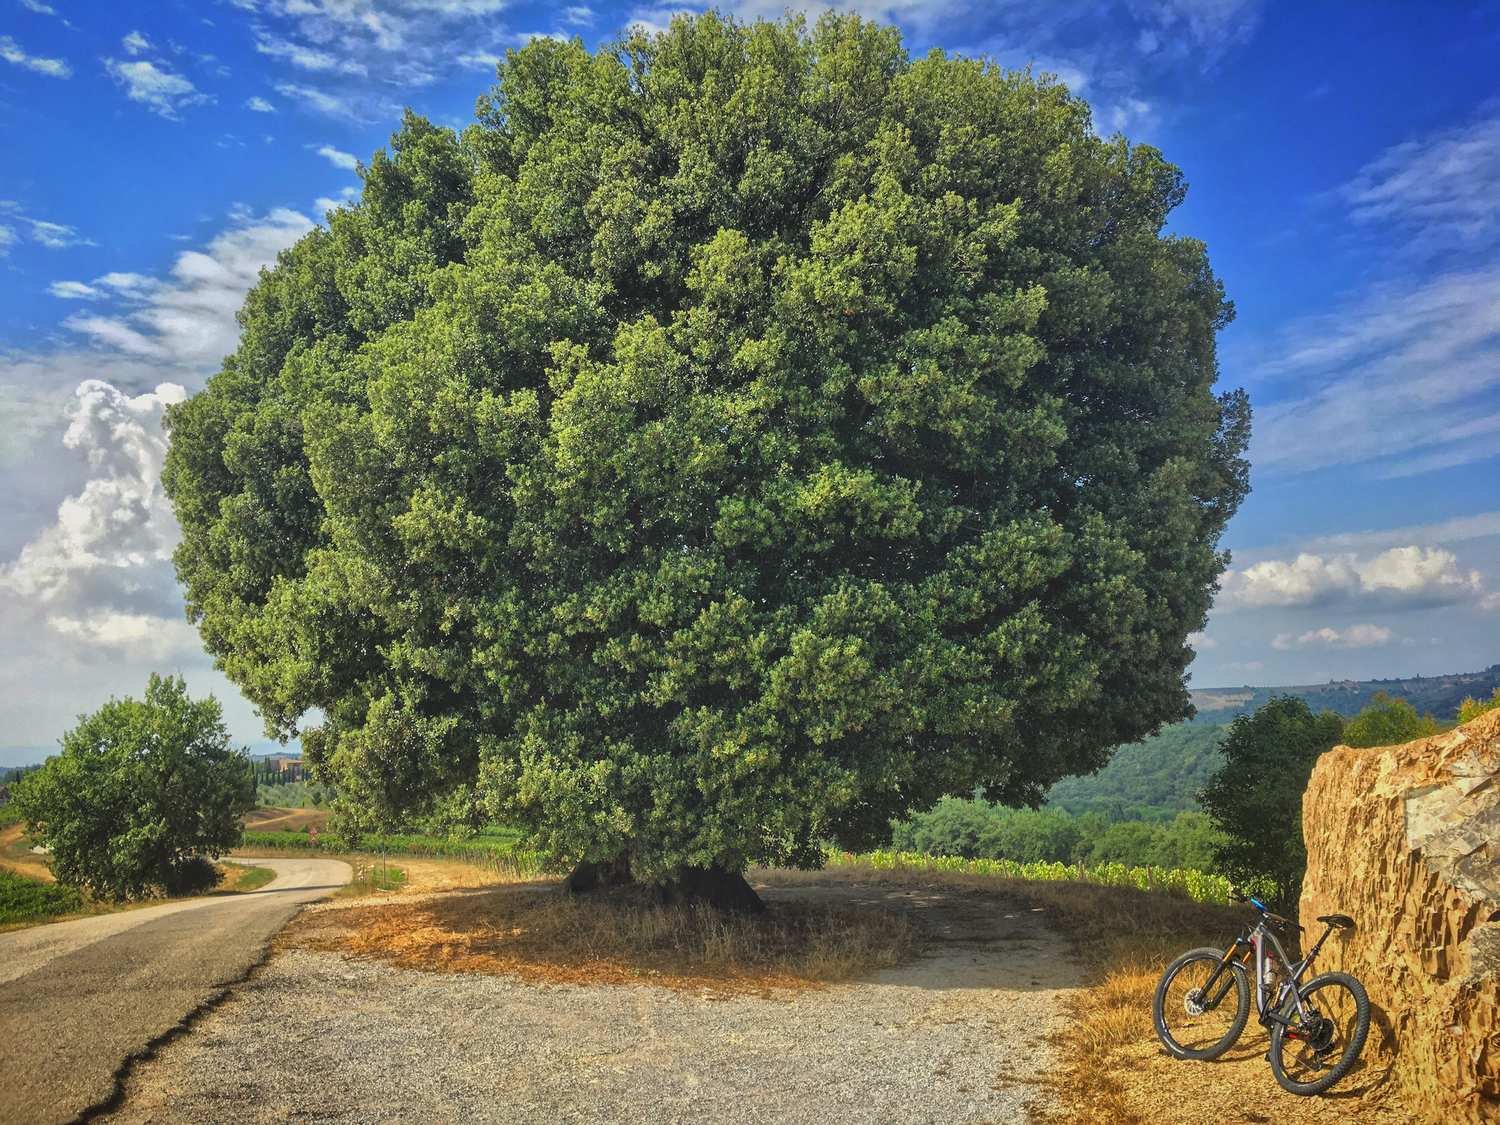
143, 792
736, 438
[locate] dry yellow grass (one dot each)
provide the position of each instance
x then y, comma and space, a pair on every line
267, 819
537, 933
16, 855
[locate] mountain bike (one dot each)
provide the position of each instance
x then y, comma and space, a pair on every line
1318, 1028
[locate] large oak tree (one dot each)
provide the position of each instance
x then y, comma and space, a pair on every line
737, 437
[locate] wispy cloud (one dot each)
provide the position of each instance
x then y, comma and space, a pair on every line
1399, 375
74, 291
12, 52
135, 43
304, 57
322, 101
1439, 190
259, 105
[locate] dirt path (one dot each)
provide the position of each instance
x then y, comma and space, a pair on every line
957, 1036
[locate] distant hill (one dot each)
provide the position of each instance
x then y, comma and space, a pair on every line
1437, 695
1159, 777
1150, 780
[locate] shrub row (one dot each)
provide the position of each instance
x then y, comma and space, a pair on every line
1199, 886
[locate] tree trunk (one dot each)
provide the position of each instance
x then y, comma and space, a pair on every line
717, 886
590, 875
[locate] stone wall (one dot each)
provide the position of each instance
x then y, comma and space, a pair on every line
1406, 840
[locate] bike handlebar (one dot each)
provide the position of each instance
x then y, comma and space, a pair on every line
1265, 910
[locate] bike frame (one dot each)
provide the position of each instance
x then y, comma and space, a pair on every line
1252, 943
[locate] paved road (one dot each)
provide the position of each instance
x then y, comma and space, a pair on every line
78, 999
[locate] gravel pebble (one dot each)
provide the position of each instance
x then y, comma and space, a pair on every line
958, 1035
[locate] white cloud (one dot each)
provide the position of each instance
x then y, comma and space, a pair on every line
1401, 374
146, 636
190, 317
1355, 636
346, 160
121, 520
1461, 529
7, 239
304, 57
135, 43
11, 52
321, 101
74, 291
39, 7
128, 283
259, 105
481, 60
160, 90
1441, 188
1200, 642
578, 15
56, 236
1409, 576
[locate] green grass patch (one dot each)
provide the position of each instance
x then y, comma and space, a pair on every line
29, 900
253, 879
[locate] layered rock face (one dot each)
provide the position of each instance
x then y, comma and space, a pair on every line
1406, 840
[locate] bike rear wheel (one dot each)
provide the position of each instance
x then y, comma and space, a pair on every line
1321, 1046
1193, 1023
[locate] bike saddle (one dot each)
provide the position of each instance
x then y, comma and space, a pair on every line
1342, 921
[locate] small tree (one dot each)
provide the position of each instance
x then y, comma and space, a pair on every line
1255, 798
1387, 721
142, 791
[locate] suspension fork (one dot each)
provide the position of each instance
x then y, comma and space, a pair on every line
1212, 996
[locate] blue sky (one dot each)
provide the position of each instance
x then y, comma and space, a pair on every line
1344, 163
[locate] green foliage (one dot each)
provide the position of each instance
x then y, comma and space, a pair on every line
977, 829
1256, 797
1387, 722
1197, 885
26, 900
1154, 779
293, 795
737, 437
1472, 708
141, 788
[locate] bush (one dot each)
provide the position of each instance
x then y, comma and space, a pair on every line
192, 876
1471, 709
24, 900
1388, 721
141, 787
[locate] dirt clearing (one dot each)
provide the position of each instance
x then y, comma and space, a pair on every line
959, 1033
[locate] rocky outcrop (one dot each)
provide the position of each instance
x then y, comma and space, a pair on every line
1406, 840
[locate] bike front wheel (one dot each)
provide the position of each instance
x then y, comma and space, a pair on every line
1199, 1011
1322, 1044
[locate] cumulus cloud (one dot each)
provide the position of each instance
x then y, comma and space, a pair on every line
161, 90
1409, 576
110, 533
259, 105
135, 43
1201, 642
1355, 636
12, 52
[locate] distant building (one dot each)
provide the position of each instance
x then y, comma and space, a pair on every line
288, 767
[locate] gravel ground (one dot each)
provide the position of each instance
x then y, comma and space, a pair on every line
957, 1036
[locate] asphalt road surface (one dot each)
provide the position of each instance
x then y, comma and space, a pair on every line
78, 1000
